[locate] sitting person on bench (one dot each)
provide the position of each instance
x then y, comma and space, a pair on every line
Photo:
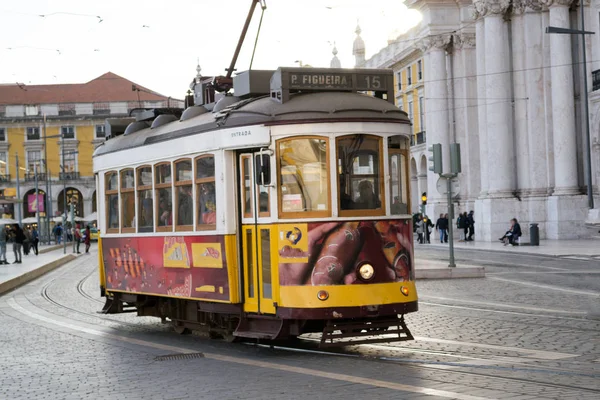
513, 234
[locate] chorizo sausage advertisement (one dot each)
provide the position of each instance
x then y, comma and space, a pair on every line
332, 253
179, 266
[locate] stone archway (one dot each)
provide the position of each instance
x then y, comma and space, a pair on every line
414, 186
72, 195
94, 202
29, 204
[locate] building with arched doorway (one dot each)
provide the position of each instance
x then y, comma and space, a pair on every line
48, 133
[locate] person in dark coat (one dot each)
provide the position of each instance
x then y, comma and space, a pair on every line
19, 238
87, 239
470, 225
513, 234
441, 225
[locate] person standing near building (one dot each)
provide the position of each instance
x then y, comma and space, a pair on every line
471, 225
35, 239
19, 238
441, 225
87, 238
3, 237
77, 237
58, 233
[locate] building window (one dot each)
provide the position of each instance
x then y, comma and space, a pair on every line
112, 202
127, 201
33, 133
419, 70
421, 113
68, 132
100, 131
205, 192
410, 110
399, 77
70, 162
66, 109
2, 134
145, 200
409, 76
184, 202
34, 158
164, 197
3, 166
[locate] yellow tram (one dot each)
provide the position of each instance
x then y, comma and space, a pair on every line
277, 211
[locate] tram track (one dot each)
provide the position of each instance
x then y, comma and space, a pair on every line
307, 346
443, 366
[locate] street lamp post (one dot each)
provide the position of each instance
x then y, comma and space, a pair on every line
582, 32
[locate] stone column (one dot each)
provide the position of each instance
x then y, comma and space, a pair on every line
536, 121
563, 103
466, 113
436, 98
520, 97
481, 101
501, 157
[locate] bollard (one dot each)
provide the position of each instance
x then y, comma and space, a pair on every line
534, 235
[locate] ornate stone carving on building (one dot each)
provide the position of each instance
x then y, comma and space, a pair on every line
518, 6
463, 40
550, 3
434, 42
534, 5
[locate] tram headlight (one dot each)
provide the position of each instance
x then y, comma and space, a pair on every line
404, 290
366, 271
322, 295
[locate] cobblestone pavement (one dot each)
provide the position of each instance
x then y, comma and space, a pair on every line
518, 338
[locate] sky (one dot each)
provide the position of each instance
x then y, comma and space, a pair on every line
158, 44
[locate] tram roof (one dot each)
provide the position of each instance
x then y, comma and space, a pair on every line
301, 108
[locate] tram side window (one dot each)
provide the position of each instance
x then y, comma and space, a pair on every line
304, 177
127, 201
112, 202
145, 201
164, 198
205, 192
398, 149
360, 174
247, 186
183, 191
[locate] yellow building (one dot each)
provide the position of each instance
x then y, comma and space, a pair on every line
49, 132
410, 92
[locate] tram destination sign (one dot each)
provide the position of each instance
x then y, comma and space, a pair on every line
285, 80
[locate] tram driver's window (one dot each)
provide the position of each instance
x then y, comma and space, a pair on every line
144, 197
398, 150
304, 176
360, 174
205, 192
112, 202
164, 198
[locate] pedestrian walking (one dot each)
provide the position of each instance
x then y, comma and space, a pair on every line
58, 230
19, 238
86, 238
441, 225
3, 239
77, 236
471, 225
35, 240
27, 241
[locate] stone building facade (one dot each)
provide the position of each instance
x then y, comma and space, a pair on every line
511, 95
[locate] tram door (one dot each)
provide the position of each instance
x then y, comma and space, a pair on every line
256, 237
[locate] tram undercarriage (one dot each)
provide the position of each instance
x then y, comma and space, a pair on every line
229, 322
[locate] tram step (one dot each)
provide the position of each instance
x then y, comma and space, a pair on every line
344, 333
259, 327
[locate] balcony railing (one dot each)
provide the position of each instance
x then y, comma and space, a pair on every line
596, 79
4, 177
68, 176
31, 177
417, 139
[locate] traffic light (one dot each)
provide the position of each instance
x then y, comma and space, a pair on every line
436, 158
455, 158
424, 198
